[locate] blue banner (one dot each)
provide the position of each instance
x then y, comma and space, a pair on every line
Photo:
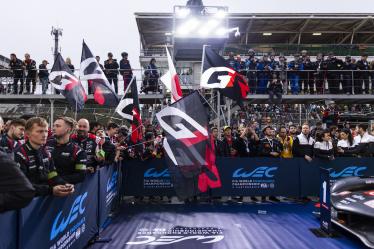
108, 190
8, 230
147, 178
341, 167
59, 223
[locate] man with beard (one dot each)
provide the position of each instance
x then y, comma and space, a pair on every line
11, 140
293, 131
30, 66
303, 144
90, 144
70, 160
37, 164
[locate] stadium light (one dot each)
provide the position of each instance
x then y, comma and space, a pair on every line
223, 31
187, 27
220, 14
182, 12
209, 27
317, 33
267, 34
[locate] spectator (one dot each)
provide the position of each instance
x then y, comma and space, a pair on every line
111, 71
239, 65
363, 141
231, 60
217, 142
346, 143
30, 66
286, 142
95, 126
269, 146
348, 68
263, 74
125, 70
16, 191
43, 76
282, 73
1, 126
251, 66
333, 66
323, 147
106, 146
319, 73
36, 162
293, 131
275, 88
303, 144
316, 129
98, 62
362, 75
112, 131
295, 67
308, 75
70, 160
11, 140
16, 65
68, 62
90, 144
245, 145
228, 143
151, 76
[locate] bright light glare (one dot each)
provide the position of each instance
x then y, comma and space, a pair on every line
220, 14
267, 34
182, 12
317, 33
207, 28
221, 31
187, 27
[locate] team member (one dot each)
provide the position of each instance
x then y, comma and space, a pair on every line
323, 147
69, 158
36, 162
303, 144
269, 146
90, 144
12, 139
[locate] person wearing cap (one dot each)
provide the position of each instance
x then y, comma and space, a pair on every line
228, 143
347, 82
251, 66
111, 71
43, 76
125, 70
333, 65
362, 75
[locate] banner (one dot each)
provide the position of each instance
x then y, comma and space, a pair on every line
341, 167
60, 223
8, 230
108, 190
147, 178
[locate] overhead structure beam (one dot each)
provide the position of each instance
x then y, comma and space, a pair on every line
301, 29
249, 26
355, 28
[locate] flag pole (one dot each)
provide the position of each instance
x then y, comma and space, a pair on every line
218, 112
127, 89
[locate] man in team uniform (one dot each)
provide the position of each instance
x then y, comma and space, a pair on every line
70, 159
36, 162
12, 139
90, 144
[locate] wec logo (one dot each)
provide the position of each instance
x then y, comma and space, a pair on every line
259, 172
152, 172
112, 182
166, 240
78, 208
349, 171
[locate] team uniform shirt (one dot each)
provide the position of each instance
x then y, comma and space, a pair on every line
90, 145
287, 150
8, 144
39, 168
302, 145
323, 149
70, 160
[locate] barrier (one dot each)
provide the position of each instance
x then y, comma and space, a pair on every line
247, 176
61, 223
8, 230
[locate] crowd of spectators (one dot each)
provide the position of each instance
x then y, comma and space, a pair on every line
267, 74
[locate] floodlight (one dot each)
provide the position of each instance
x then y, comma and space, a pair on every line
182, 12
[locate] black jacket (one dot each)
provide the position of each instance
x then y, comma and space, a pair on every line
39, 168
245, 148
266, 146
302, 146
111, 69
17, 68
125, 68
16, 191
43, 71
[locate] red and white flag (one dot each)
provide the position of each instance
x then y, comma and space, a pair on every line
171, 80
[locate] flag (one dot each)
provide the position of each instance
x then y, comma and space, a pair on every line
63, 79
94, 75
188, 145
217, 73
125, 106
171, 80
